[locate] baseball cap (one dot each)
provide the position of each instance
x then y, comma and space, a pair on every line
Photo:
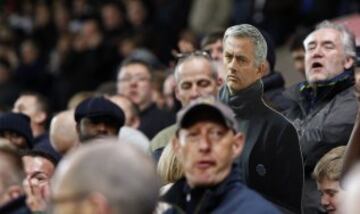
206, 109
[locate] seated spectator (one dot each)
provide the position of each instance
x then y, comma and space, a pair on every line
39, 165
63, 135
327, 176
206, 145
134, 81
16, 128
98, 117
36, 107
125, 180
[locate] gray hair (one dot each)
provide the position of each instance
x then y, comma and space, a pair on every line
124, 175
194, 56
347, 38
252, 33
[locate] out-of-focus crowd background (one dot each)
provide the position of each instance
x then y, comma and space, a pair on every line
61, 47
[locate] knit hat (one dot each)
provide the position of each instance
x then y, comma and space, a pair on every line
45, 150
99, 107
18, 123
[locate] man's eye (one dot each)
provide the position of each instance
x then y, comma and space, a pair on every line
203, 83
186, 86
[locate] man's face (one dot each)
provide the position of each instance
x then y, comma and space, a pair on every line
324, 55
28, 105
298, 56
206, 151
15, 139
239, 61
215, 50
90, 128
195, 80
38, 172
134, 82
331, 194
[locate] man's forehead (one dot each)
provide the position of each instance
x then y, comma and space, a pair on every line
237, 44
135, 68
326, 34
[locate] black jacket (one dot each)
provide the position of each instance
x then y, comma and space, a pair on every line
324, 117
271, 160
273, 91
230, 196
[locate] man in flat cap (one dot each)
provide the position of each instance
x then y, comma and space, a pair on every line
98, 117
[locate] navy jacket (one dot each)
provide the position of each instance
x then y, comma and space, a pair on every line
230, 196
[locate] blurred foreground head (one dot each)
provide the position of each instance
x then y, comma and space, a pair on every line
105, 177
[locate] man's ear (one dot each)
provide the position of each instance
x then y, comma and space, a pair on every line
261, 69
238, 144
40, 117
349, 62
99, 203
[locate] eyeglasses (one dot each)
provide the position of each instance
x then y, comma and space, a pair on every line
198, 53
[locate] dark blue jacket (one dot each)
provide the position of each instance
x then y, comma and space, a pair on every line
230, 196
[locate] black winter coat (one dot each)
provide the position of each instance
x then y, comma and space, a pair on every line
271, 161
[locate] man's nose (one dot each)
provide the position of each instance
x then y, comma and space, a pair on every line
324, 200
204, 144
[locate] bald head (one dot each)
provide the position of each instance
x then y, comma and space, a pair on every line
63, 135
123, 192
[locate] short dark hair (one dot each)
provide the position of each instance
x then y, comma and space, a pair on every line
42, 101
211, 38
131, 61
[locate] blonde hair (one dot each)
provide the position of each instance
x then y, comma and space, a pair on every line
330, 165
169, 167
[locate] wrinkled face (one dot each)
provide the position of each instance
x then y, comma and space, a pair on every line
134, 82
324, 55
27, 105
15, 139
331, 194
215, 50
38, 172
298, 57
239, 61
206, 151
195, 79
90, 128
